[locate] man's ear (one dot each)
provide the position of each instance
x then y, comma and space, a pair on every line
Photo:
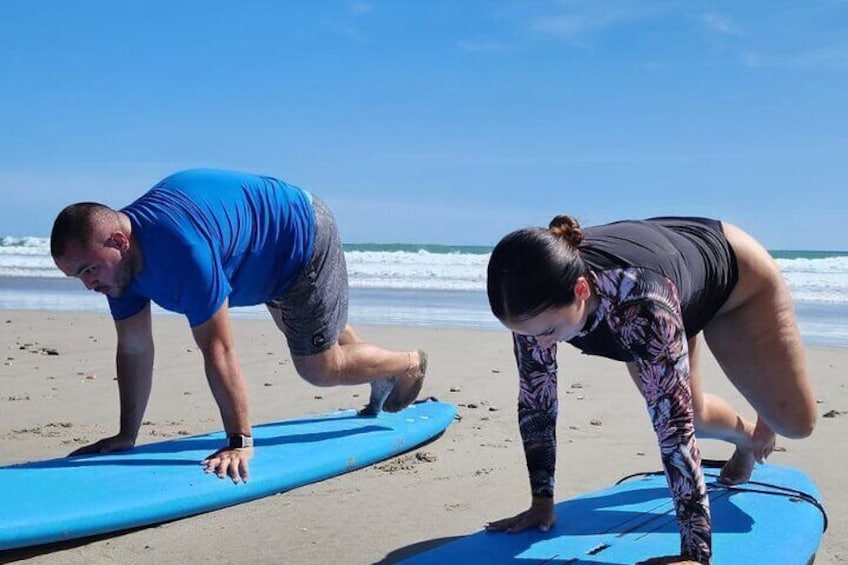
118, 240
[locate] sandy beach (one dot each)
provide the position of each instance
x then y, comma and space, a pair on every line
57, 392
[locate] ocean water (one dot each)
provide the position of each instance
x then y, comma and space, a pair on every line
425, 285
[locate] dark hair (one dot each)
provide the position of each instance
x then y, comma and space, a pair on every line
76, 223
533, 269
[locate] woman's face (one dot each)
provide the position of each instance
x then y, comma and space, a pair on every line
558, 323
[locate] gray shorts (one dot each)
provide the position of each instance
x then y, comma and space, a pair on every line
314, 308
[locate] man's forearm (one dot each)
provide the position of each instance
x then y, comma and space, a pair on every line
229, 389
135, 377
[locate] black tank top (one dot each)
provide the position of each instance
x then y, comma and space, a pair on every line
692, 252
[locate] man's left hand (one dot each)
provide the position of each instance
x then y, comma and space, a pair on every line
228, 462
670, 560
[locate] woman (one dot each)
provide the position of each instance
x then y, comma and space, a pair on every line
643, 292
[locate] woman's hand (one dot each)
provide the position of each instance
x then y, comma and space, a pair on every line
540, 516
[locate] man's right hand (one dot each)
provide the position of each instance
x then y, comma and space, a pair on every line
106, 445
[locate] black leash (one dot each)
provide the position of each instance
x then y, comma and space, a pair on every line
781, 490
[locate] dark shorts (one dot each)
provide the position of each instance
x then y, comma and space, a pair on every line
314, 308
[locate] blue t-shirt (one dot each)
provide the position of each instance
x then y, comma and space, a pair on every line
208, 235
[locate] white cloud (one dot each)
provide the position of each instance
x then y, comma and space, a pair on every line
576, 21
565, 25
361, 7
352, 31
720, 24
349, 31
475, 46
827, 57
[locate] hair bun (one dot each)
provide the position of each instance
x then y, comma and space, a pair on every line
567, 228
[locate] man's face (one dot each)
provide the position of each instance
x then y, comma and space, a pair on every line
102, 266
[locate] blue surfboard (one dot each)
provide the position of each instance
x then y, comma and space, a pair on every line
70, 498
775, 518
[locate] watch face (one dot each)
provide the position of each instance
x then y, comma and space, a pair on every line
238, 441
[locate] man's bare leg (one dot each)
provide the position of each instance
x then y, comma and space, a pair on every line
380, 388
351, 361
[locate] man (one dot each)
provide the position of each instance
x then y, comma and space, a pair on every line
202, 241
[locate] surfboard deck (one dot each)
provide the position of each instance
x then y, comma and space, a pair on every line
763, 522
74, 497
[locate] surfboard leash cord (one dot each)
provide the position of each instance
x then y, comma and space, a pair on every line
781, 490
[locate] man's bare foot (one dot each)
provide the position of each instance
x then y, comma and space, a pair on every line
407, 385
380, 391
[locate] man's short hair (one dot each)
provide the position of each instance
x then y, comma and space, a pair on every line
76, 223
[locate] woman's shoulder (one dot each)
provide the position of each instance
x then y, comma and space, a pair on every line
624, 284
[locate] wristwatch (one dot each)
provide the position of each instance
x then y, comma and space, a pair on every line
239, 441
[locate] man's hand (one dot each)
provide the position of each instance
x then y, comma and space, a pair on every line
540, 516
106, 445
670, 560
227, 462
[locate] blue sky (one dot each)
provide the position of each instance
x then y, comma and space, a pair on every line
444, 121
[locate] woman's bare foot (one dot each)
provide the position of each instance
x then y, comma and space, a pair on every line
739, 467
763, 441
407, 385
